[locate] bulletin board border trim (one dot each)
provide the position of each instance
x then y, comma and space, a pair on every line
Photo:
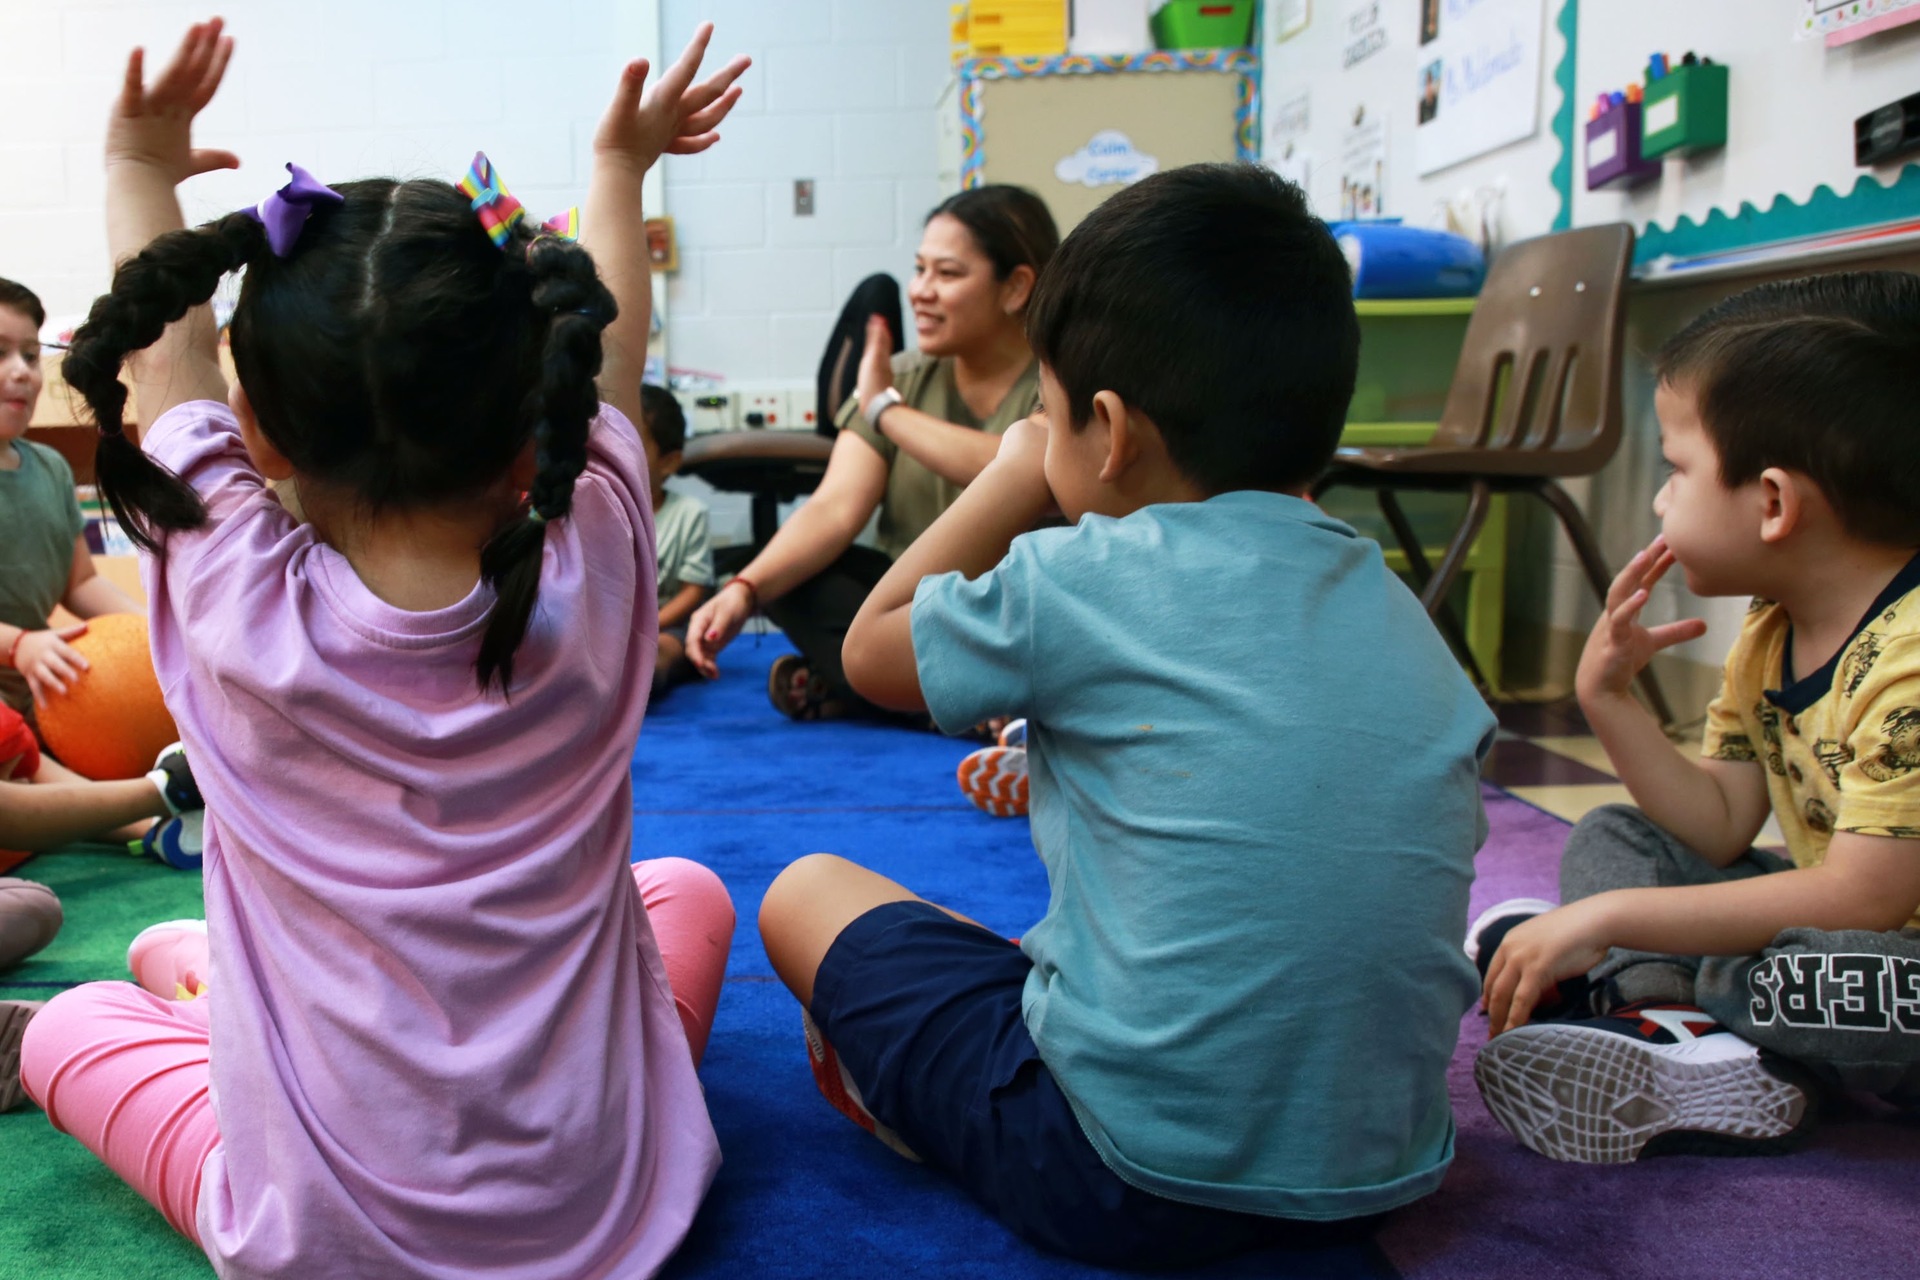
976, 72
1562, 176
1826, 212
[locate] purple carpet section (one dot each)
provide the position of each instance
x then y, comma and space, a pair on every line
1846, 1206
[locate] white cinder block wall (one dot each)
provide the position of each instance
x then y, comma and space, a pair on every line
350, 88
843, 92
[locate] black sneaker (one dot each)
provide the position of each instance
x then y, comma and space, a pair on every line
175, 781
1648, 1079
1491, 926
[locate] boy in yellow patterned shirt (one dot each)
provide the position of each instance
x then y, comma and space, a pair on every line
1694, 991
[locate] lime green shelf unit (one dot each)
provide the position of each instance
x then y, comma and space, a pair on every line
1408, 349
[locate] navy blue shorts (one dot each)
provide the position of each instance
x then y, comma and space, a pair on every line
924, 1012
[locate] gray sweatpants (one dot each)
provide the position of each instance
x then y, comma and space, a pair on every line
1845, 1004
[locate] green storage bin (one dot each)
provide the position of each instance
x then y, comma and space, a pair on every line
1204, 24
1685, 110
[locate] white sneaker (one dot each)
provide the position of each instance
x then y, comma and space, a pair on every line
170, 959
1648, 1079
1523, 907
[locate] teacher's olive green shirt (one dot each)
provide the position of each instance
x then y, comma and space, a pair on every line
915, 496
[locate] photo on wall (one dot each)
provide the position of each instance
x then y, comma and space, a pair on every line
1479, 83
1429, 21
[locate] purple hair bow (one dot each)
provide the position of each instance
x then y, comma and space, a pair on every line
284, 213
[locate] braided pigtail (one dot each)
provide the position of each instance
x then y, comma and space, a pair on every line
568, 290
159, 285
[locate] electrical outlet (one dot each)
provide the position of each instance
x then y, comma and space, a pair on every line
803, 408
765, 407
710, 413
803, 197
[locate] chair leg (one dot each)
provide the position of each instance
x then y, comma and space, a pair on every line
1479, 499
1435, 601
766, 518
1403, 533
1587, 548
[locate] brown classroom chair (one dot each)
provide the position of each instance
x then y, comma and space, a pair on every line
1535, 397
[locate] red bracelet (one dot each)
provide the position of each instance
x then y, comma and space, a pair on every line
21, 634
753, 592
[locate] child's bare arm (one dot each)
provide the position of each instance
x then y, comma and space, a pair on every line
89, 593
971, 536
150, 152
1714, 807
684, 602
1866, 882
675, 116
45, 817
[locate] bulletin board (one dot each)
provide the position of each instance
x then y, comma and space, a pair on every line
1077, 128
1786, 171
1354, 90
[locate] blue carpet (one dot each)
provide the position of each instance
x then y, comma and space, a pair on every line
720, 778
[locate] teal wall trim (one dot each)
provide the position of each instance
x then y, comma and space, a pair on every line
1823, 213
1562, 176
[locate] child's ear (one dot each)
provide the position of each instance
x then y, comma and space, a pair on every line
1121, 427
267, 460
1784, 499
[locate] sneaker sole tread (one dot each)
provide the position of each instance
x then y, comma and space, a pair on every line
995, 780
1593, 1096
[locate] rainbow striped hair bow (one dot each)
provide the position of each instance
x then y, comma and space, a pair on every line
497, 209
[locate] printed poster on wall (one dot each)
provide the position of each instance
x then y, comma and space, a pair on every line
1363, 165
1478, 82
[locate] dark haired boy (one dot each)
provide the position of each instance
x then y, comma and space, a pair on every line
1255, 781
683, 548
1695, 989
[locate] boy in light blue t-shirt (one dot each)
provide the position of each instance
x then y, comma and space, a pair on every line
1255, 781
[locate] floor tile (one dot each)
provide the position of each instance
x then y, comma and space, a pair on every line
1572, 803
1586, 750
1536, 719
1519, 762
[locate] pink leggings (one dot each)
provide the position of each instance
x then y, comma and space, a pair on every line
125, 1071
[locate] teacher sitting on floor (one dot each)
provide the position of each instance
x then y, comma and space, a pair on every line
919, 427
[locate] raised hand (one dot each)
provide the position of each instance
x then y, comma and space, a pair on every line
152, 126
1620, 644
675, 116
876, 363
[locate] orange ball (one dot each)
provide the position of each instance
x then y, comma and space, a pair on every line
111, 722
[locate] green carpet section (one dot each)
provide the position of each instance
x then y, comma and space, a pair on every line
63, 1214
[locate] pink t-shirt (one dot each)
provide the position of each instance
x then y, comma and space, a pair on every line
442, 1038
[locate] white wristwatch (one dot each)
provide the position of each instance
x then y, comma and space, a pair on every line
881, 402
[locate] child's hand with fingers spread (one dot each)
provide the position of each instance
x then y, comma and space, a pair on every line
47, 662
152, 127
675, 116
1537, 955
1621, 645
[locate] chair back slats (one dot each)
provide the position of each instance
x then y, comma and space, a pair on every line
1539, 371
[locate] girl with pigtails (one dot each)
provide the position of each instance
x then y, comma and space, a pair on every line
439, 1027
